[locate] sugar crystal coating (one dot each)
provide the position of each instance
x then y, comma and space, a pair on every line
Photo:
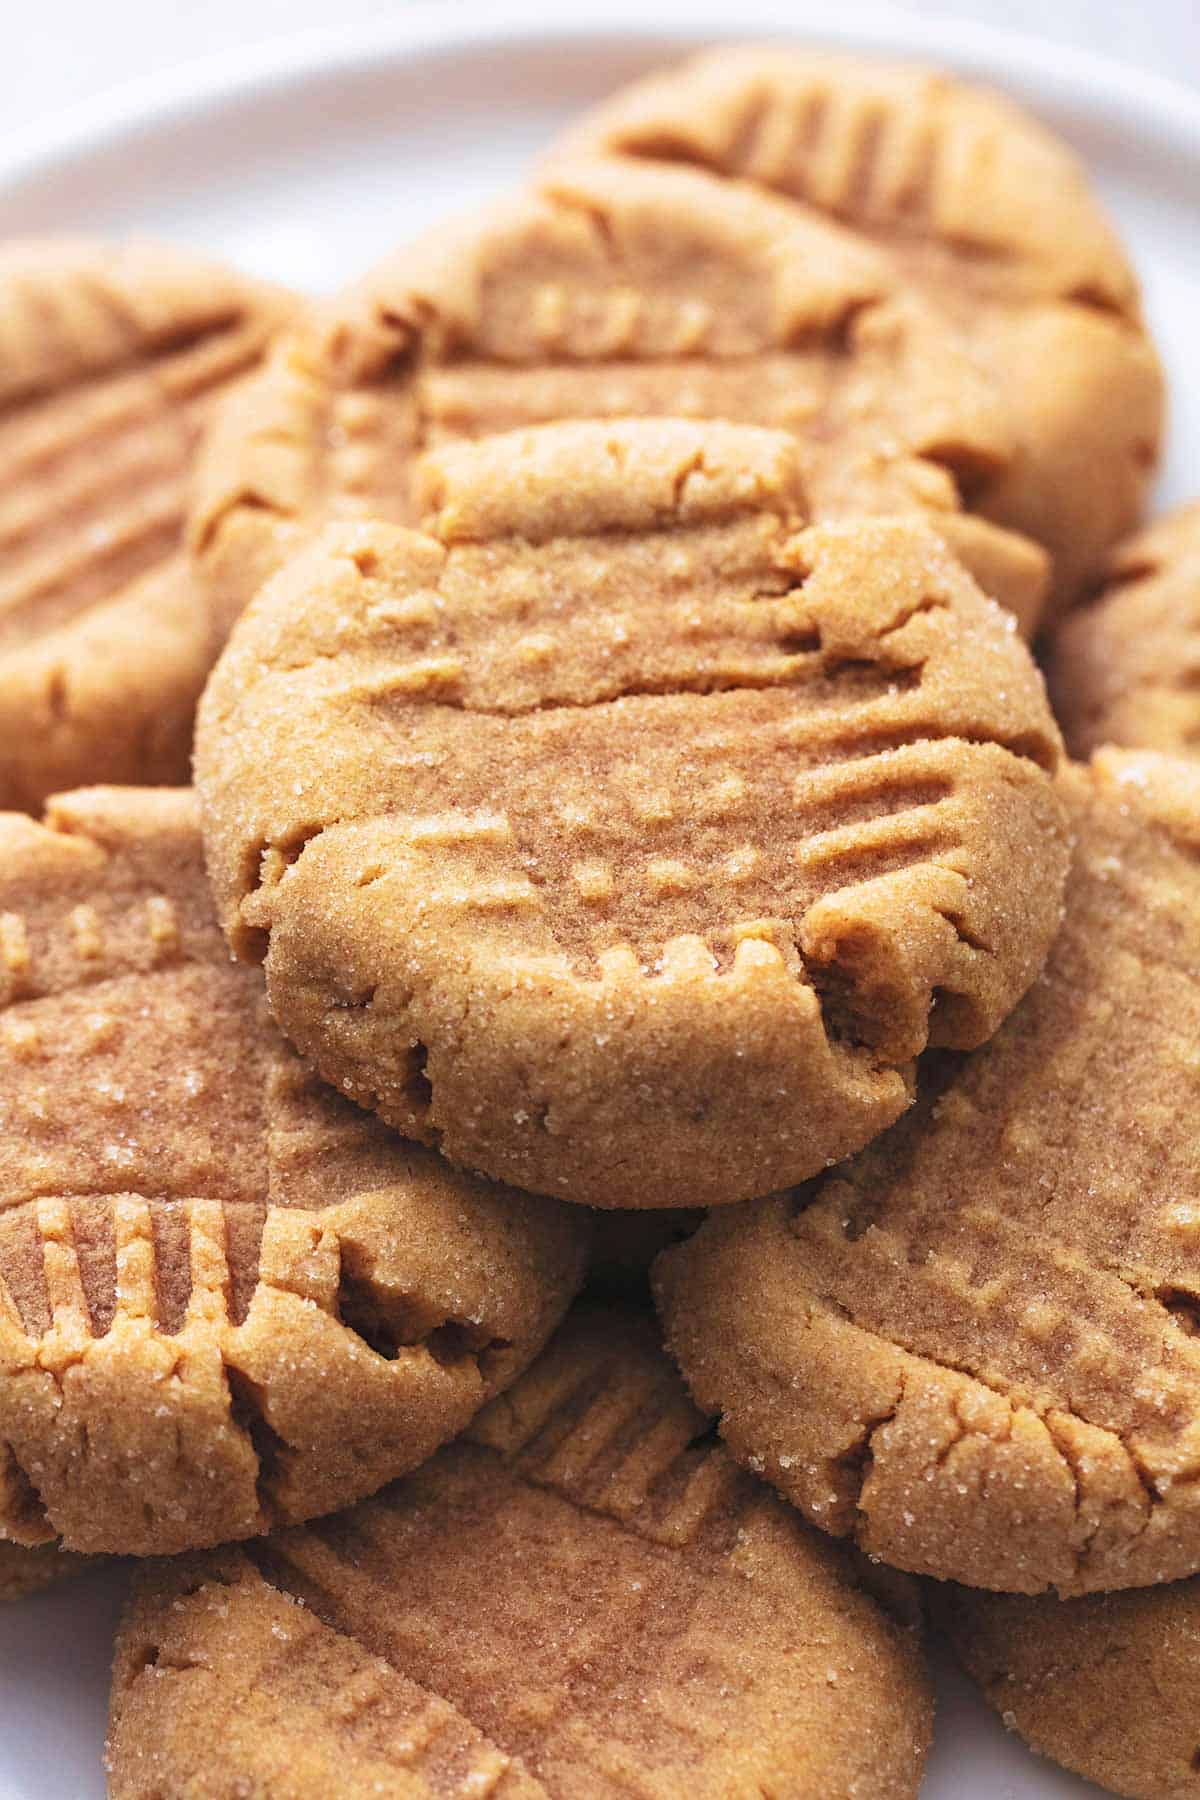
620, 834
226, 1296
974, 1347
582, 1597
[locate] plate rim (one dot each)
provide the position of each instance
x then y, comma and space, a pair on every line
1154, 111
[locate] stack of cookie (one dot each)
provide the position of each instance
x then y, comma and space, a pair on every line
643, 837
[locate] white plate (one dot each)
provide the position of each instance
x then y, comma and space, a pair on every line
306, 160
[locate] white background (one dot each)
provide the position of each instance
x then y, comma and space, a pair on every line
57, 52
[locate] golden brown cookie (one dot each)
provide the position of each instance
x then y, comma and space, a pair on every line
1125, 668
227, 1298
988, 216
974, 1348
111, 359
24, 1568
583, 1597
614, 289
1108, 1685
619, 835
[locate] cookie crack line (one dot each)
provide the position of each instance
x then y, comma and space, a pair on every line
1077, 1468
859, 1455
802, 648
248, 1398
950, 1367
1028, 747
706, 685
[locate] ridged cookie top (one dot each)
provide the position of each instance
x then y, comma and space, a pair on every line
974, 1347
111, 357
583, 1598
619, 833
613, 289
1125, 668
226, 1297
987, 214
907, 156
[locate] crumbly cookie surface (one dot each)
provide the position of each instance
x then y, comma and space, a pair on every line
974, 1347
111, 359
1125, 667
615, 289
988, 215
583, 1597
616, 833
1108, 1685
226, 1297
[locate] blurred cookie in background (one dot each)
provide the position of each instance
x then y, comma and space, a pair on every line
611, 288
1124, 668
112, 357
989, 217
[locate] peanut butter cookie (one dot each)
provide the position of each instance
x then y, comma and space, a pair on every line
619, 835
1108, 1685
227, 1298
583, 1597
610, 290
989, 216
1125, 668
111, 358
974, 1348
